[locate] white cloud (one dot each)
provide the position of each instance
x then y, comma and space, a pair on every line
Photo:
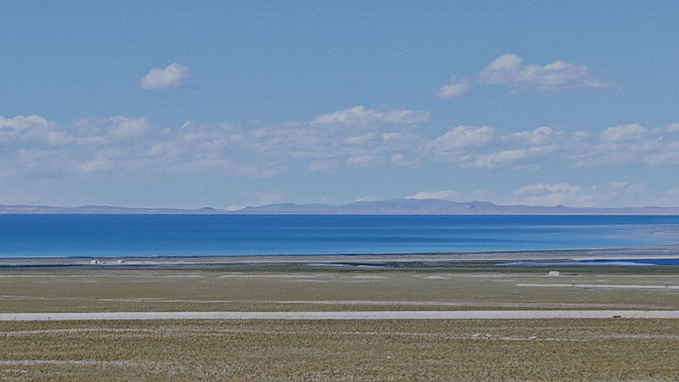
360, 139
102, 161
125, 128
624, 144
469, 146
441, 195
461, 136
669, 156
537, 137
501, 71
546, 194
508, 71
365, 161
454, 89
172, 77
125, 145
405, 117
398, 158
50, 160
475, 146
331, 140
668, 199
672, 128
500, 158
623, 133
359, 116
21, 128
19, 123
614, 194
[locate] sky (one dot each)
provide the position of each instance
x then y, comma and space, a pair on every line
229, 104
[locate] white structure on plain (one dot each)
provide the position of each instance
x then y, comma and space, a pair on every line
554, 273
95, 262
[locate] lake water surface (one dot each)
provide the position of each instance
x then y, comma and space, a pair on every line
251, 235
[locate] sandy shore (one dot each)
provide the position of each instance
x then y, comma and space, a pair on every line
374, 315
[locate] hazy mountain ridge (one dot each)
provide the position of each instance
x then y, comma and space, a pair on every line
390, 206
444, 207
104, 210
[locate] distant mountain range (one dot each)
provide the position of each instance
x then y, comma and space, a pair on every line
392, 206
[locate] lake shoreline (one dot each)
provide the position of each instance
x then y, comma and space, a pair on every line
546, 257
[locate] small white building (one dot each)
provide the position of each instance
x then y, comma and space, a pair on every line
95, 262
554, 273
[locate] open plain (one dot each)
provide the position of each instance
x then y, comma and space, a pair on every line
338, 319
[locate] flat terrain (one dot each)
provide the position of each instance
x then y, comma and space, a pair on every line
427, 318
365, 350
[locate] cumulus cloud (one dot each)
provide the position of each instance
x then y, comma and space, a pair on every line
127, 145
539, 136
628, 143
454, 89
508, 70
125, 128
455, 145
32, 127
20, 123
622, 133
339, 139
172, 77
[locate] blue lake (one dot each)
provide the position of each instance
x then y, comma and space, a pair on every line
251, 235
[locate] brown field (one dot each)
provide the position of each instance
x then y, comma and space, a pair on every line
338, 350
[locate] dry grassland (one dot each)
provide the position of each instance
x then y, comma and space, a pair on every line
201, 289
352, 350
534, 350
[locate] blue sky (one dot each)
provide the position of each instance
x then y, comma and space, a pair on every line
234, 103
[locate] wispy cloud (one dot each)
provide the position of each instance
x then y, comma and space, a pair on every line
171, 77
613, 194
458, 137
359, 116
442, 195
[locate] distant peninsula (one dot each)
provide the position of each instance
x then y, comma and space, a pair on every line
404, 206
